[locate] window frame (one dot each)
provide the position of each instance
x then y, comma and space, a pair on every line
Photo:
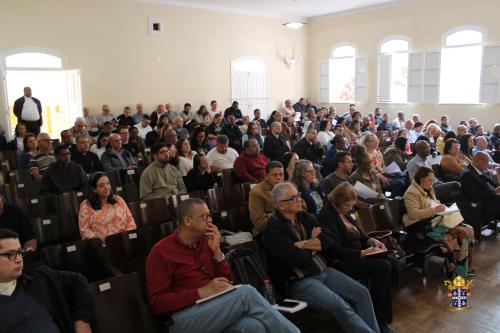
444, 36
380, 54
331, 58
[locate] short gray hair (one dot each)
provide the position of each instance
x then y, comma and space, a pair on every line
278, 190
82, 136
188, 207
222, 140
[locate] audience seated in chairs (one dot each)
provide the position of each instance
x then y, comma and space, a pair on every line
143, 127
351, 249
179, 129
481, 144
222, 156
49, 300
101, 144
422, 206
394, 183
309, 148
126, 119
189, 265
68, 140
253, 132
116, 157
304, 177
200, 177
233, 133
14, 218
103, 213
17, 143
479, 188
185, 156
337, 145
466, 144
275, 145
453, 161
160, 178
293, 240
88, 160
250, 166
342, 164
397, 153
260, 201
258, 120
199, 141
365, 173
30, 145
43, 157
289, 161
64, 175
213, 130
202, 116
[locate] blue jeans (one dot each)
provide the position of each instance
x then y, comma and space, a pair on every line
241, 310
345, 299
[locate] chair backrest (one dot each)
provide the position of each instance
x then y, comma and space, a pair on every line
223, 198
45, 205
168, 227
161, 210
139, 213
245, 190
130, 176
55, 229
389, 214
126, 247
365, 219
87, 257
71, 201
234, 219
131, 192
119, 306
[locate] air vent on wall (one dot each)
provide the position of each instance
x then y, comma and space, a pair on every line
156, 26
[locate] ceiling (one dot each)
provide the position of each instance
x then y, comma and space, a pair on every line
279, 8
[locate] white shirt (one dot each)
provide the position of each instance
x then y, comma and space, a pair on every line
98, 151
398, 123
7, 288
222, 161
142, 131
30, 110
325, 138
20, 143
185, 164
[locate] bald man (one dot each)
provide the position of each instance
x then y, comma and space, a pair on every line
480, 188
117, 158
28, 111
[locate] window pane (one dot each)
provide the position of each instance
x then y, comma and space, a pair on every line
394, 45
464, 37
33, 60
344, 51
460, 74
399, 76
342, 75
249, 65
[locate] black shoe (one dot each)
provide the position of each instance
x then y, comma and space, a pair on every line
386, 328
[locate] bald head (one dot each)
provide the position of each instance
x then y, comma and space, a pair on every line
423, 148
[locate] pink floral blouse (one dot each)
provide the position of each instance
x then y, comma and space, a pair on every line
106, 221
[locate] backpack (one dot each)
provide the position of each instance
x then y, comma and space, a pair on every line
247, 268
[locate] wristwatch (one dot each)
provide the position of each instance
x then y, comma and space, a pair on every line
221, 258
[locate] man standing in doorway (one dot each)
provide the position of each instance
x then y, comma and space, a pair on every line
28, 111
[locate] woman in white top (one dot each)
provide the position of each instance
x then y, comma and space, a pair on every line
324, 135
202, 116
185, 156
102, 144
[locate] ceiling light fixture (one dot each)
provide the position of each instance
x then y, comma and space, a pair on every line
297, 22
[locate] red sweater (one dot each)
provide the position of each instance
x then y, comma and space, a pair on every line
250, 169
175, 271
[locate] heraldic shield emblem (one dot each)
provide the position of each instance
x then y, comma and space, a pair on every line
459, 292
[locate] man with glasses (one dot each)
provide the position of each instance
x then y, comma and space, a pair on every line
117, 158
64, 175
14, 218
188, 265
88, 160
293, 241
161, 178
37, 299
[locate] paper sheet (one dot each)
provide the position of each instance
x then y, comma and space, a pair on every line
392, 168
434, 160
201, 300
453, 208
364, 191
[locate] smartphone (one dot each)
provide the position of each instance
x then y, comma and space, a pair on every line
288, 304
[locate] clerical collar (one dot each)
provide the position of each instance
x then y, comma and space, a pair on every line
7, 288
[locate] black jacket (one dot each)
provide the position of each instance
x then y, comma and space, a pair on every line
342, 245
64, 294
90, 162
312, 152
18, 108
278, 240
234, 112
234, 134
275, 148
196, 182
57, 180
477, 187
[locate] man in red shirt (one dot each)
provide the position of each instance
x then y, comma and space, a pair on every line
188, 265
250, 166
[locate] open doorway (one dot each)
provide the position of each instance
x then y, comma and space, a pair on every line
58, 90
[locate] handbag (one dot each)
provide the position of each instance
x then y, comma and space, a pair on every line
234, 238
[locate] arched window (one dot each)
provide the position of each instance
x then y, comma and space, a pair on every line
33, 60
342, 74
461, 66
393, 70
249, 84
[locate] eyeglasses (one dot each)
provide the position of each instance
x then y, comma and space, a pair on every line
205, 216
12, 255
296, 197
